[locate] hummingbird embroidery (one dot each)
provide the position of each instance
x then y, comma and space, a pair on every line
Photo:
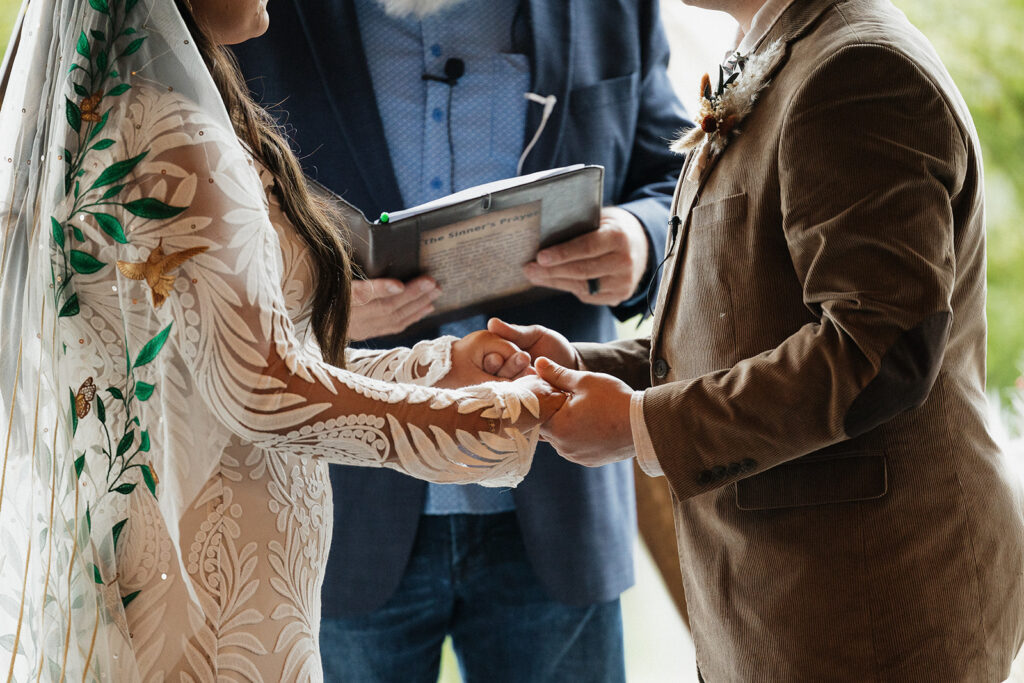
154, 270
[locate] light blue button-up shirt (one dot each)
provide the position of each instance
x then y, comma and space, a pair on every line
488, 119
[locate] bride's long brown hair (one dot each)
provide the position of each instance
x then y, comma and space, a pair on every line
315, 219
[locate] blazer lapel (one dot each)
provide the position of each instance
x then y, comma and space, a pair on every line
551, 26
795, 22
343, 71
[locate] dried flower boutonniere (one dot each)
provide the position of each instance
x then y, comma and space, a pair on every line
724, 108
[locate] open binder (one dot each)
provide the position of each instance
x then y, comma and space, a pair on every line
475, 242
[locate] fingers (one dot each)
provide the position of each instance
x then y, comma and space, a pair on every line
559, 377
509, 367
523, 336
385, 306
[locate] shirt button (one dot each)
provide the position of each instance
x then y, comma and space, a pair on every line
437, 114
660, 369
436, 183
748, 464
435, 50
705, 478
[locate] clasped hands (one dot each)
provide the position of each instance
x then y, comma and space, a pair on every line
584, 415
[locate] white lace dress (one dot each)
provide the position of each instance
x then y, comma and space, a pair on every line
198, 394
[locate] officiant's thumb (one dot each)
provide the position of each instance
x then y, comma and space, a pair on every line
559, 377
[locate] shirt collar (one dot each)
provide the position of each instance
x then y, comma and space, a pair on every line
762, 22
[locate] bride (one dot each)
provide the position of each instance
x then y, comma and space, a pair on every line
174, 302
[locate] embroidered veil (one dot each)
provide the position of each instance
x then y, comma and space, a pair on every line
147, 340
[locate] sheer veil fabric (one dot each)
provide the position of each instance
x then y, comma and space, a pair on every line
167, 418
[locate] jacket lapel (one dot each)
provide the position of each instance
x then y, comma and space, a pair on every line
343, 70
795, 22
551, 26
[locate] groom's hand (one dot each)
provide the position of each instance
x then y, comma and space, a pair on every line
592, 428
538, 341
482, 356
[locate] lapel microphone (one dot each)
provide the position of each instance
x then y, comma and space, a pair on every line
454, 68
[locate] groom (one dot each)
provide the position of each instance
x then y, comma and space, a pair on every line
813, 386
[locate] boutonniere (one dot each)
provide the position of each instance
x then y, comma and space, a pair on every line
723, 108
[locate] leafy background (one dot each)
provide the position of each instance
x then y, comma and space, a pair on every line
981, 44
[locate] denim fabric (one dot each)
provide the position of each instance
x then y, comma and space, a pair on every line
469, 577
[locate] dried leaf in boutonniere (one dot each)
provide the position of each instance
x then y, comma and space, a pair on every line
723, 108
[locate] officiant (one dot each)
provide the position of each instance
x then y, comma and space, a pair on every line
397, 102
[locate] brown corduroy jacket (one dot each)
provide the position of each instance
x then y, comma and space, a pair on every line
815, 377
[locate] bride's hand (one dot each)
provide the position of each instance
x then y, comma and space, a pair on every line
549, 401
484, 357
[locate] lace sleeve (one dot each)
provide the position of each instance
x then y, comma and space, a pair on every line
425, 363
211, 279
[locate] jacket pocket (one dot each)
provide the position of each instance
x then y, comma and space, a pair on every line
725, 210
802, 482
608, 91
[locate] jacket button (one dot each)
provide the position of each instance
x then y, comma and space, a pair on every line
705, 478
719, 473
735, 468
748, 465
660, 368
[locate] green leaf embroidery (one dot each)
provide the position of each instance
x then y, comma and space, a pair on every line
112, 191
74, 115
70, 307
133, 46
152, 347
119, 89
98, 35
116, 393
103, 144
144, 446
125, 443
75, 66
80, 91
113, 74
79, 466
125, 489
111, 226
74, 413
147, 476
88, 519
99, 126
97, 577
83, 45
58, 232
116, 530
118, 170
143, 390
101, 61
128, 6
126, 600
77, 233
99, 6
101, 410
153, 208
84, 263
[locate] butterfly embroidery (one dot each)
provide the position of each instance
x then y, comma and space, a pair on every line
154, 270
83, 399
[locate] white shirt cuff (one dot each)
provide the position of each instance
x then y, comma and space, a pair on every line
645, 455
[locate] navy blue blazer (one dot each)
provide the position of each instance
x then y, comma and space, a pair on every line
605, 61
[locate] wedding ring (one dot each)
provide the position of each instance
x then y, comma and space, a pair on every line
594, 285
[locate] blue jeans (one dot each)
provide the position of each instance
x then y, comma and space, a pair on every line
469, 577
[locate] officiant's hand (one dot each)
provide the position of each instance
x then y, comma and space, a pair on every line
483, 356
592, 428
538, 341
601, 267
383, 306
